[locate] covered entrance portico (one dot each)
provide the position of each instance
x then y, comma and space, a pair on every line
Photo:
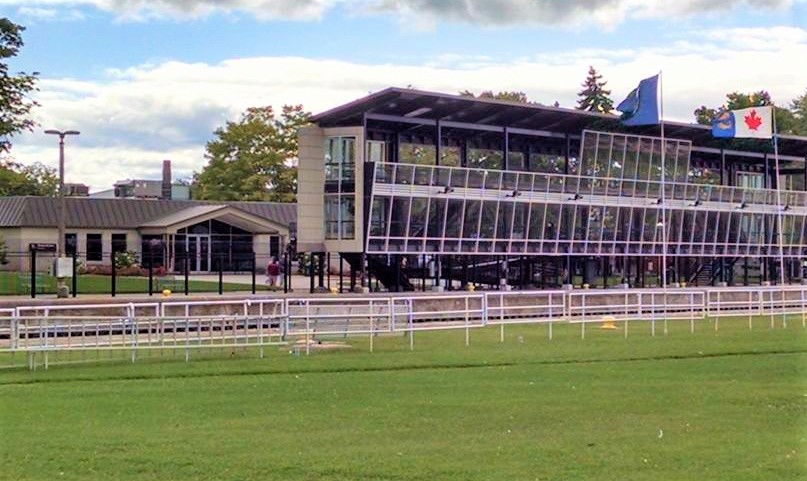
212, 238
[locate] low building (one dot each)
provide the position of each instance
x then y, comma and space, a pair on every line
210, 235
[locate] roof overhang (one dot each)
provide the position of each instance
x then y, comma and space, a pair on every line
172, 223
409, 108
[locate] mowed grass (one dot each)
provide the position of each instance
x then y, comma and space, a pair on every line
729, 404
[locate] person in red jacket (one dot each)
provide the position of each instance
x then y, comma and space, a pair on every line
272, 272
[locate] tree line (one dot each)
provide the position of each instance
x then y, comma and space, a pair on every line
254, 158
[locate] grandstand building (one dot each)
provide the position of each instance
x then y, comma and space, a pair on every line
420, 189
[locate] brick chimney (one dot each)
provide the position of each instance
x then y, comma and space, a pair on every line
166, 187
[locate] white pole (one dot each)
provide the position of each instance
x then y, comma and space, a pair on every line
779, 238
663, 194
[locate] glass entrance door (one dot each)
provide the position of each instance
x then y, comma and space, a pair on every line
199, 253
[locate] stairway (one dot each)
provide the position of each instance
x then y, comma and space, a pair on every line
381, 270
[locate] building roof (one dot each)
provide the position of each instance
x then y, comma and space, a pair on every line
93, 213
409, 106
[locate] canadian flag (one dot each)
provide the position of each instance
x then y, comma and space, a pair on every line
753, 123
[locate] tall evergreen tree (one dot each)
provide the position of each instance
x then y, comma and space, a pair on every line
594, 97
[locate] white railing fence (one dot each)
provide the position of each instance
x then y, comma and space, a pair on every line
258, 323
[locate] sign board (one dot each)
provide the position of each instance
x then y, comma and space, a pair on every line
42, 247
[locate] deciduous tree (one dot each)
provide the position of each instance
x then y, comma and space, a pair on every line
15, 102
254, 158
35, 179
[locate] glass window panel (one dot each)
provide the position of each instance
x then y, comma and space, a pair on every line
378, 216
421, 154
546, 163
520, 220
437, 210
417, 220
651, 226
450, 156
515, 161
595, 223
488, 222
485, 159
590, 141
493, 180
609, 223
637, 225
376, 151
400, 212
616, 162
94, 247
581, 222
536, 221
505, 220
470, 226
454, 219
631, 156
551, 225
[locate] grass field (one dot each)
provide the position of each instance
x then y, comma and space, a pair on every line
11, 283
725, 405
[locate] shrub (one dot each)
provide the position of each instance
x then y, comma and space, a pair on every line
125, 259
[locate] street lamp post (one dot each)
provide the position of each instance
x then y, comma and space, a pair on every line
61, 287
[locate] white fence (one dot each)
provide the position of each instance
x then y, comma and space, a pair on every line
258, 323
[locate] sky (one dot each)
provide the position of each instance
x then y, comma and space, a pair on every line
147, 80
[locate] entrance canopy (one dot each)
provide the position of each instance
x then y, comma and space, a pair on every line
172, 223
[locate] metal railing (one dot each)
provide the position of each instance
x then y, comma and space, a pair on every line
258, 323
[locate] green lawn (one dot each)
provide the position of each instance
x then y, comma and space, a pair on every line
12, 283
725, 405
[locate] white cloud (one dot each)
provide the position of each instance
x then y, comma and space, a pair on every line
605, 13
34, 14
134, 118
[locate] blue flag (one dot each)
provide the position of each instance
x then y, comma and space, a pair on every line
640, 107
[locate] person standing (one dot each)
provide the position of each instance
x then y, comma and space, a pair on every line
272, 272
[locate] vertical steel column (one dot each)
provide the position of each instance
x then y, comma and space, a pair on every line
311, 258
321, 269
438, 142
506, 149
341, 274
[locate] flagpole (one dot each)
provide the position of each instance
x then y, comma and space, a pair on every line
778, 200
663, 182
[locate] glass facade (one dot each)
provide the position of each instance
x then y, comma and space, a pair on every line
340, 187
621, 199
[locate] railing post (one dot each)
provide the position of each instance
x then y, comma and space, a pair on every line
221, 275
74, 280
186, 269
33, 274
114, 286
254, 268
151, 271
